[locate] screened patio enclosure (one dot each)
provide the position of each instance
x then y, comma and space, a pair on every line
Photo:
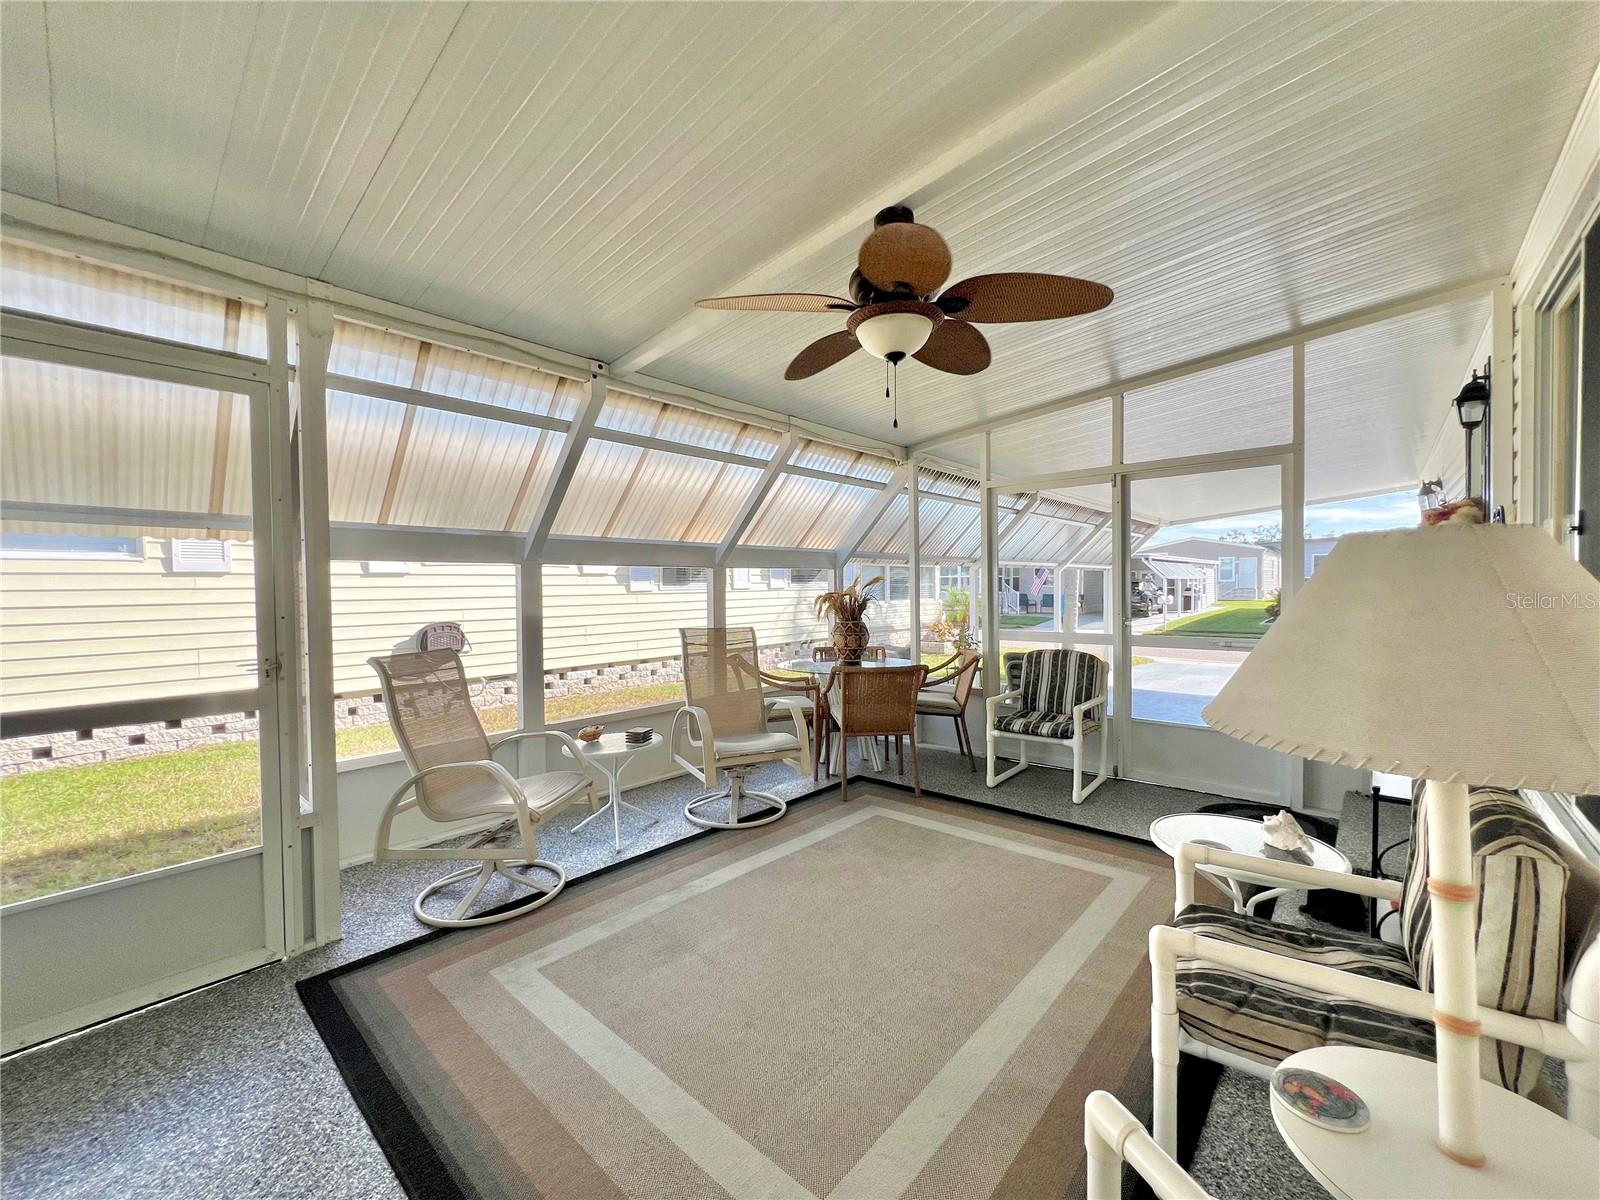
222, 498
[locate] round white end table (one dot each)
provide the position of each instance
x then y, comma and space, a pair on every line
1530, 1150
1243, 836
610, 754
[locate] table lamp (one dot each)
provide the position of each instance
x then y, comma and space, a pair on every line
1460, 655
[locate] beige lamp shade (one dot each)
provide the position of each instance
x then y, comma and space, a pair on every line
1458, 653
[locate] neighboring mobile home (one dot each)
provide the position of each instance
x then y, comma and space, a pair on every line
1244, 570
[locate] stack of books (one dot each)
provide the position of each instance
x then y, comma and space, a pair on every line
638, 737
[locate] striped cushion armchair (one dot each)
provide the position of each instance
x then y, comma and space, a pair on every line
1052, 699
1536, 945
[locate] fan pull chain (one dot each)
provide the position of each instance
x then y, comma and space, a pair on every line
893, 391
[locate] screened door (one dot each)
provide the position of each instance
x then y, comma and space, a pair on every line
142, 836
1196, 539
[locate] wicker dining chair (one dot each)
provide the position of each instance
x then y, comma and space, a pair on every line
873, 702
831, 654
454, 777
961, 670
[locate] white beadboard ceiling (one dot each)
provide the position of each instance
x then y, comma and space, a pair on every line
578, 174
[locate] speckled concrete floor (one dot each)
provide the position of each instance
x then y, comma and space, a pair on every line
228, 1092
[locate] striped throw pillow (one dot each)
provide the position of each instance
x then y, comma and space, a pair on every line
1522, 885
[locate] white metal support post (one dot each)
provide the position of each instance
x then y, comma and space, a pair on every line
314, 324
914, 557
1502, 412
717, 599
1291, 565
1119, 622
530, 662
282, 676
993, 680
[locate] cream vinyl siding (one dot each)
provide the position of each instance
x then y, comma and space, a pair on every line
379, 614
595, 620
779, 614
100, 631
82, 631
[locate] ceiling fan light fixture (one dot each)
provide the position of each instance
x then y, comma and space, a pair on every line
902, 333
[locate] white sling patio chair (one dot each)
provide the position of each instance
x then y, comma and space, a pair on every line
454, 777
724, 725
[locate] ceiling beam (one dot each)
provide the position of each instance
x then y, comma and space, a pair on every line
555, 489
418, 398
758, 495
870, 516
1479, 285
1018, 518
987, 142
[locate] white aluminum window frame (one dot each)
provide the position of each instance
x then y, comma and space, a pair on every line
68, 553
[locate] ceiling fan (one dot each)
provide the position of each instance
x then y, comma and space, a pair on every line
896, 309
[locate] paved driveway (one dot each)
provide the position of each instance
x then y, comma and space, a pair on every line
1177, 691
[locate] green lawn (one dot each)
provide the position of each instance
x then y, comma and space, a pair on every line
1229, 618
1024, 620
80, 825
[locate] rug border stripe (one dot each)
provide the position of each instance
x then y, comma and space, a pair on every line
422, 1171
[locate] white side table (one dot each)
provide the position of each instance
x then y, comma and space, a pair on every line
1531, 1151
610, 755
1243, 836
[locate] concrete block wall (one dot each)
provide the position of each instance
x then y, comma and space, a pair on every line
83, 747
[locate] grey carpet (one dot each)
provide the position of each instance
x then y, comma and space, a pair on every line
228, 1092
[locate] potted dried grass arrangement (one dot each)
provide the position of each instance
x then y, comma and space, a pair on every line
846, 611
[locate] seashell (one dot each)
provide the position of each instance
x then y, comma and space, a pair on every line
1283, 831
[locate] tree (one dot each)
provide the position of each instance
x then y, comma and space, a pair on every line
1256, 535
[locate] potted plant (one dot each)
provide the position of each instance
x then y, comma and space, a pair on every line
846, 610
954, 625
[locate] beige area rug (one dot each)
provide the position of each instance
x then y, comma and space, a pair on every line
890, 997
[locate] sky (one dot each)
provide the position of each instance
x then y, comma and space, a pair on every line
1394, 510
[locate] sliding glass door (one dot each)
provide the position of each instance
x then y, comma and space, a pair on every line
141, 852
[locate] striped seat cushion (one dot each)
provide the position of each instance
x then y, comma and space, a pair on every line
1522, 880
1266, 1020
1033, 723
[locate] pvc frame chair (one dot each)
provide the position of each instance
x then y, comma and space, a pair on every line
723, 727
1080, 718
1577, 1040
1112, 1136
454, 777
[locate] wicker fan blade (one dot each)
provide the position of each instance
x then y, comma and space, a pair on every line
1024, 296
955, 347
905, 253
822, 354
807, 302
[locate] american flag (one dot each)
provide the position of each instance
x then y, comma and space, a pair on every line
1041, 580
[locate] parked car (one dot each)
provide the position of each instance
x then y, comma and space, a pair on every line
1147, 601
